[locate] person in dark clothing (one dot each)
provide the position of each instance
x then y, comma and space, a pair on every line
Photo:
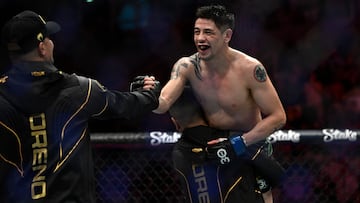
45, 149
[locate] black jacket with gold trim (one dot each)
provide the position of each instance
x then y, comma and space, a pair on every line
45, 150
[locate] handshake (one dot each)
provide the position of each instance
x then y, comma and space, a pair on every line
224, 150
140, 83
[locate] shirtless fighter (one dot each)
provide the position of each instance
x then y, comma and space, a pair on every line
232, 87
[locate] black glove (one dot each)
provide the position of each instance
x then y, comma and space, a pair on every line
226, 149
157, 88
146, 96
137, 83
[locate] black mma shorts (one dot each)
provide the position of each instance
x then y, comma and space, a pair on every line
204, 181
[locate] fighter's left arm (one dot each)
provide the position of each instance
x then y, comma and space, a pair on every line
268, 101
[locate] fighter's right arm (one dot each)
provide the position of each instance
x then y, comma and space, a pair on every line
174, 87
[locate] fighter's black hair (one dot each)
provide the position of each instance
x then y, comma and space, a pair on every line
217, 13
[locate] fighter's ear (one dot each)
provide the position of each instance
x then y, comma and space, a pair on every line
227, 35
41, 48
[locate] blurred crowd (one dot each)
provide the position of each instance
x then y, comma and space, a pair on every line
318, 172
309, 47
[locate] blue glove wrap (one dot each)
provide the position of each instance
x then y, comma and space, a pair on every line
238, 145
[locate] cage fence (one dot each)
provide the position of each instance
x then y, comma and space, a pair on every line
322, 166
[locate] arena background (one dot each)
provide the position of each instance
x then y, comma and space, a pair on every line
309, 47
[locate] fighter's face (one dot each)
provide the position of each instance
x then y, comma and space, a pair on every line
208, 38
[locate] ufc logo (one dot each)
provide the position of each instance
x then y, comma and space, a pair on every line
222, 154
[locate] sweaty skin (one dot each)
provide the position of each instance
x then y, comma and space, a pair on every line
232, 87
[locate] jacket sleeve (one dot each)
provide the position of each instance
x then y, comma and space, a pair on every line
112, 104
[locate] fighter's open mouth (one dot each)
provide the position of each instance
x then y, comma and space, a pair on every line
203, 47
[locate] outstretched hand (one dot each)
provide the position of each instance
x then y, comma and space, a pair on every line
143, 83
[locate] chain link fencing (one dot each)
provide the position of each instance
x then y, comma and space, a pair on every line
137, 168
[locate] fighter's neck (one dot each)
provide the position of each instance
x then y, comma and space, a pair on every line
219, 63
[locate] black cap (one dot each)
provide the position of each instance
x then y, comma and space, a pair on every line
23, 32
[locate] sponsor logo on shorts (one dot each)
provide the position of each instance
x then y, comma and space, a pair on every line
261, 183
202, 186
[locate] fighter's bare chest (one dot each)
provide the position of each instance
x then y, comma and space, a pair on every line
228, 91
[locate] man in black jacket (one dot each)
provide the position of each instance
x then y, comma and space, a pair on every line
45, 150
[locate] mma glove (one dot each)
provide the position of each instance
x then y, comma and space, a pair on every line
227, 149
137, 83
157, 88
144, 95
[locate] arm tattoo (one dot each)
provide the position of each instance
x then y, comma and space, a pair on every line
195, 60
175, 71
260, 73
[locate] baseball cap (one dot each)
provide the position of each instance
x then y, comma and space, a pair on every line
23, 32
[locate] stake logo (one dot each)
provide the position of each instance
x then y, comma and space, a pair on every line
335, 134
158, 138
280, 135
